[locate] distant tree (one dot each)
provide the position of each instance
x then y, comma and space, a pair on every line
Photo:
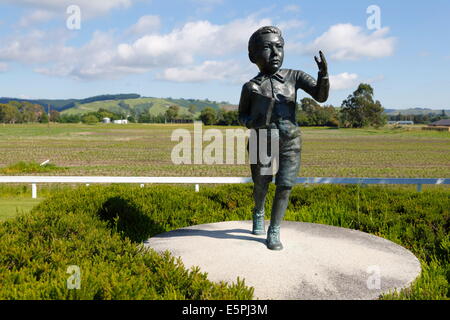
360, 110
144, 118
30, 112
228, 118
54, 116
9, 113
172, 113
208, 116
302, 118
43, 118
331, 116
70, 118
103, 113
89, 119
313, 114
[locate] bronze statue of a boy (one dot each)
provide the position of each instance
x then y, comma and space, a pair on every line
274, 91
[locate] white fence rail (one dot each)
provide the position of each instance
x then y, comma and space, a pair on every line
34, 180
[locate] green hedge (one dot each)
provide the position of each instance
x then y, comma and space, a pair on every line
100, 229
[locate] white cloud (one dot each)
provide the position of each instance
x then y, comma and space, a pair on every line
37, 16
186, 51
343, 81
229, 71
195, 39
349, 42
291, 24
89, 8
35, 47
146, 25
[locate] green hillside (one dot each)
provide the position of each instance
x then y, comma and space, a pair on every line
154, 106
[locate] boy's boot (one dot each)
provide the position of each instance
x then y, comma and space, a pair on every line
258, 222
280, 204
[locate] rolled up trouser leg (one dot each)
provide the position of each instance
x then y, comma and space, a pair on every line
259, 195
279, 206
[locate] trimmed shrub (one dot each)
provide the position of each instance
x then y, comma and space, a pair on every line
101, 228
84, 227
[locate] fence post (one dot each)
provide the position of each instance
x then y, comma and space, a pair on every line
197, 187
33, 191
419, 187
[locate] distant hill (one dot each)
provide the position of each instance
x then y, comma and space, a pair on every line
121, 103
64, 104
414, 111
154, 106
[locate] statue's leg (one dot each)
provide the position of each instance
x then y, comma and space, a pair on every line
259, 195
279, 206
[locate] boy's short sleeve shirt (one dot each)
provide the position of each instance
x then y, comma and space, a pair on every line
282, 86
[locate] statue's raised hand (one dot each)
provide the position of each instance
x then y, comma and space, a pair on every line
322, 63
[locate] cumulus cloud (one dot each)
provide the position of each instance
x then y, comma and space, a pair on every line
229, 71
182, 45
181, 51
291, 24
37, 16
145, 25
35, 47
96, 59
349, 42
343, 81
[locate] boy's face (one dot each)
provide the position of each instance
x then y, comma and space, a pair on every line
269, 53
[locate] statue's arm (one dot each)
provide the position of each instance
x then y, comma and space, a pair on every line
245, 106
317, 89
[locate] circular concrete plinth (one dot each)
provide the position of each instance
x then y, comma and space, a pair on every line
317, 262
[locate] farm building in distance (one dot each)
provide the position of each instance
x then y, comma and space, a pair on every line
120, 121
441, 125
401, 122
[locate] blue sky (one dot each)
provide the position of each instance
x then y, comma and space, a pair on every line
198, 48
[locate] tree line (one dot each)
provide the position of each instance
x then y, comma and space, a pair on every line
360, 109
357, 111
22, 112
418, 118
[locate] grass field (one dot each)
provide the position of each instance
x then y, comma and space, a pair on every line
10, 208
145, 149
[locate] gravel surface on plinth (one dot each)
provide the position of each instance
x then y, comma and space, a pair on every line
317, 262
